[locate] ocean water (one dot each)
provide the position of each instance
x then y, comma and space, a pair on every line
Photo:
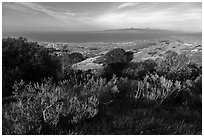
102, 36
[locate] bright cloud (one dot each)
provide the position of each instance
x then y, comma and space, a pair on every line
124, 5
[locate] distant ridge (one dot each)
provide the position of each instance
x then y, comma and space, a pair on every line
140, 30
127, 29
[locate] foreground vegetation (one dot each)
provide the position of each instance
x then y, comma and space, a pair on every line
43, 95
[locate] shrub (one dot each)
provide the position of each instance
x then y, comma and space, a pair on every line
128, 56
139, 70
114, 56
75, 57
55, 104
115, 61
50, 101
118, 55
21, 118
77, 76
198, 85
177, 67
67, 60
26, 60
152, 88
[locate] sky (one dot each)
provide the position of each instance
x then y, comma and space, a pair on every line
93, 16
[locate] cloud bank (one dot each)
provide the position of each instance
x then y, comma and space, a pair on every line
96, 16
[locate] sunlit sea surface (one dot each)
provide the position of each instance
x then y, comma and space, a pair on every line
102, 36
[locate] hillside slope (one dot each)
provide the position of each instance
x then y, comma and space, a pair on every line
155, 51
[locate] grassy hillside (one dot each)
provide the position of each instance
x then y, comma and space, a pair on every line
123, 89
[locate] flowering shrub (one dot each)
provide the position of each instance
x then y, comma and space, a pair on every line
177, 67
21, 118
47, 102
155, 88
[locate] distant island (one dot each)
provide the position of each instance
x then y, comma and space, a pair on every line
140, 30
134, 29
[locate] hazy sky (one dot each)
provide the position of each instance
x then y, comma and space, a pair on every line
99, 16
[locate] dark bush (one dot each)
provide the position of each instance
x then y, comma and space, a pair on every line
128, 56
112, 69
139, 70
75, 57
114, 56
115, 61
26, 60
67, 60
198, 85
